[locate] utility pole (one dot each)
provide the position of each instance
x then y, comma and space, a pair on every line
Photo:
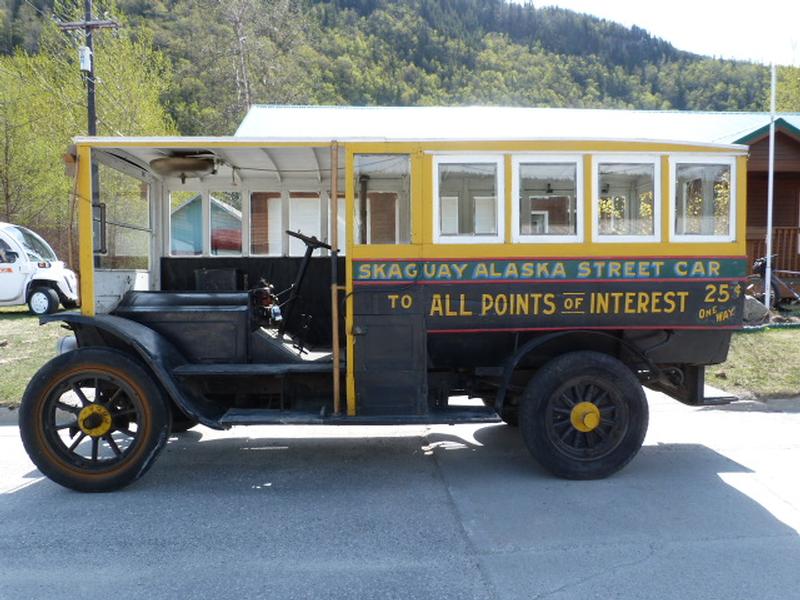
89, 24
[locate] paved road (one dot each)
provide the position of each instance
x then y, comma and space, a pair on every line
709, 509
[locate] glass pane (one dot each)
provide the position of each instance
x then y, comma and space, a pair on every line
186, 223
383, 198
702, 199
266, 230
305, 217
127, 221
626, 199
226, 222
548, 199
468, 198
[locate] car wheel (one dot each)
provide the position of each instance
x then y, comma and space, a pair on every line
93, 420
43, 301
584, 415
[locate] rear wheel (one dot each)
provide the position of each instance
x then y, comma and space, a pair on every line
93, 420
584, 415
43, 301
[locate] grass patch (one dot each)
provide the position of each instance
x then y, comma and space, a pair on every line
765, 364
24, 348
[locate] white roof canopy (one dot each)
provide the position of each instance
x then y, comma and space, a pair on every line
478, 123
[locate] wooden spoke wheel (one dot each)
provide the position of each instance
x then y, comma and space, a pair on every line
584, 415
93, 420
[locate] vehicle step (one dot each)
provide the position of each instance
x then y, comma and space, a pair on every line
233, 370
255, 416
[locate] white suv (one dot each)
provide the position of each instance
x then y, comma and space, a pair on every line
31, 273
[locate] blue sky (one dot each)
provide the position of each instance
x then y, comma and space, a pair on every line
764, 31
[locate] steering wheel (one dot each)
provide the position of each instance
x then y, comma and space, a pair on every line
312, 241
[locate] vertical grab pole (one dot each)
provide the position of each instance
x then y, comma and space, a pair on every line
334, 220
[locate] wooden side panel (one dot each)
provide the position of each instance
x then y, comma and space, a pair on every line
787, 154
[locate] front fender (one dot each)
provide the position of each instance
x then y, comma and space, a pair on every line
158, 354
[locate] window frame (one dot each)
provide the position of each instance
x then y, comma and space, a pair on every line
500, 198
643, 159
705, 159
524, 159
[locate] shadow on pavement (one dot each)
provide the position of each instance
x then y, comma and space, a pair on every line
458, 514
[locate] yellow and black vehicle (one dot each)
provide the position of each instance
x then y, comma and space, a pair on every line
357, 280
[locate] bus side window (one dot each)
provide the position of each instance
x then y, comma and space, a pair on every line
383, 198
627, 200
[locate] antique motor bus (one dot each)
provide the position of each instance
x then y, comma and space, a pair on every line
376, 278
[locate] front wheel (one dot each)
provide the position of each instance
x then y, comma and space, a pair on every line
584, 415
43, 301
93, 420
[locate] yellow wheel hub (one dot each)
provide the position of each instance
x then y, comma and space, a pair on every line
95, 420
585, 416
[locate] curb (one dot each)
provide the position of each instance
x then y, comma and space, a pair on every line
766, 326
8, 416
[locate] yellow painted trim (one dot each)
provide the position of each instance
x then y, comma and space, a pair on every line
666, 201
741, 203
349, 194
426, 199
573, 146
83, 192
201, 142
509, 167
417, 197
540, 251
588, 205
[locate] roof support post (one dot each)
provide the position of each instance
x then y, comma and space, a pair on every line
337, 372
83, 194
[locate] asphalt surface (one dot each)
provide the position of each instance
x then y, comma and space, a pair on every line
709, 509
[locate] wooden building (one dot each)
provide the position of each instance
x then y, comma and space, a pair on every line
786, 202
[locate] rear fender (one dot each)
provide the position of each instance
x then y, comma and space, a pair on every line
157, 353
580, 343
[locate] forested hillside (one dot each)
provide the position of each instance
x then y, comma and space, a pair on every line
227, 54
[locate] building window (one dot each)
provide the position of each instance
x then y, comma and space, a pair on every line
225, 209
266, 230
468, 205
627, 199
703, 199
548, 204
383, 198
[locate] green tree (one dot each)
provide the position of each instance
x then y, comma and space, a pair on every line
788, 89
43, 105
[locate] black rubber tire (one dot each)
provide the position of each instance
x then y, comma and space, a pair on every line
43, 301
576, 372
152, 419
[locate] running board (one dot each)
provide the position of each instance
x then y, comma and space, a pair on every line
243, 370
255, 416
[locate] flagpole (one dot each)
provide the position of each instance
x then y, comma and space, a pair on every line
770, 186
